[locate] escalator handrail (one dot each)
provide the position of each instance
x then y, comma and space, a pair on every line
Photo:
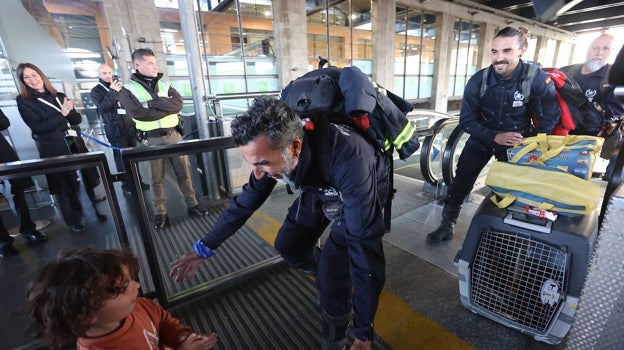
425, 152
447, 156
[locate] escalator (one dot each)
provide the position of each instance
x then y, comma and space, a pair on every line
440, 151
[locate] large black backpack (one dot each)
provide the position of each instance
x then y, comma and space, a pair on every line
316, 93
586, 119
319, 99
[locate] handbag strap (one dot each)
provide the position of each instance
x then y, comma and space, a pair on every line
523, 151
504, 202
550, 147
508, 199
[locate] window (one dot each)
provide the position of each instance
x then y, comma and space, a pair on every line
530, 53
237, 59
413, 53
549, 54
563, 56
464, 57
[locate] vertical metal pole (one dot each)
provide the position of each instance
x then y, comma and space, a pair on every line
193, 58
242, 43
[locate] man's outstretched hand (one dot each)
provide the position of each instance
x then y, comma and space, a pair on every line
185, 266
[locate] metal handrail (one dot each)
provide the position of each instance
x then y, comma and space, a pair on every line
428, 147
26, 168
241, 95
448, 168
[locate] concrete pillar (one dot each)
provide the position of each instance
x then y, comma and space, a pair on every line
134, 24
485, 44
555, 54
442, 54
540, 48
383, 13
38, 11
291, 40
119, 45
572, 50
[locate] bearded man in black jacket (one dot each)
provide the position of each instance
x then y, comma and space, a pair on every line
350, 269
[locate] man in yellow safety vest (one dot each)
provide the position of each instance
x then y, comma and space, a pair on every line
154, 105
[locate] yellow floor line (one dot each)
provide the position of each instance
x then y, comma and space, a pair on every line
406, 329
396, 323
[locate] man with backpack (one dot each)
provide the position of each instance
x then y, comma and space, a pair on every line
349, 270
592, 76
498, 118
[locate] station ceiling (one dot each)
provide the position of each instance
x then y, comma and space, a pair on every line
571, 15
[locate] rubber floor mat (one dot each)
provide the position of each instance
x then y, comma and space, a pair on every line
272, 310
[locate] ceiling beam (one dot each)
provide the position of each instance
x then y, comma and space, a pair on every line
594, 5
589, 16
509, 5
593, 25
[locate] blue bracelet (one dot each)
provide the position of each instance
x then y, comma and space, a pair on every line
202, 250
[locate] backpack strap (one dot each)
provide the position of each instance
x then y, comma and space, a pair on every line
528, 81
575, 68
321, 148
526, 84
604, 83
486, 71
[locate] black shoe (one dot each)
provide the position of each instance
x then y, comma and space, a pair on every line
98, 199
126, 189
101, 217
161, 222
35, 236
78, 228
334, 331
197, 211
442, 233
144, 186
8, 250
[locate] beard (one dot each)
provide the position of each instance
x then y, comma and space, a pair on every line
505, 71
595, 63
290, 164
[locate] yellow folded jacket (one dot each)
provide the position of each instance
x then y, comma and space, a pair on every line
541, 187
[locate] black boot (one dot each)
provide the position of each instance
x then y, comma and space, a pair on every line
445, 230
334, 331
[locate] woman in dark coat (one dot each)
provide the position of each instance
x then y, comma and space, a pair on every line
28, 228
49, 114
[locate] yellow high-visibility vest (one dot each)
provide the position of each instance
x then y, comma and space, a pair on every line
138, 90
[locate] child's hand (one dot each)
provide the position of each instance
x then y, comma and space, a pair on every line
198, 342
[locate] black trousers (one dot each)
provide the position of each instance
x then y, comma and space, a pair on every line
71, 208
22, 212
335, 267
472, 160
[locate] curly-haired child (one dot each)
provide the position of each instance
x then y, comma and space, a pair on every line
89, 297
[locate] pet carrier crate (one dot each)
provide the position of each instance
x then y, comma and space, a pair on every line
526, 272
